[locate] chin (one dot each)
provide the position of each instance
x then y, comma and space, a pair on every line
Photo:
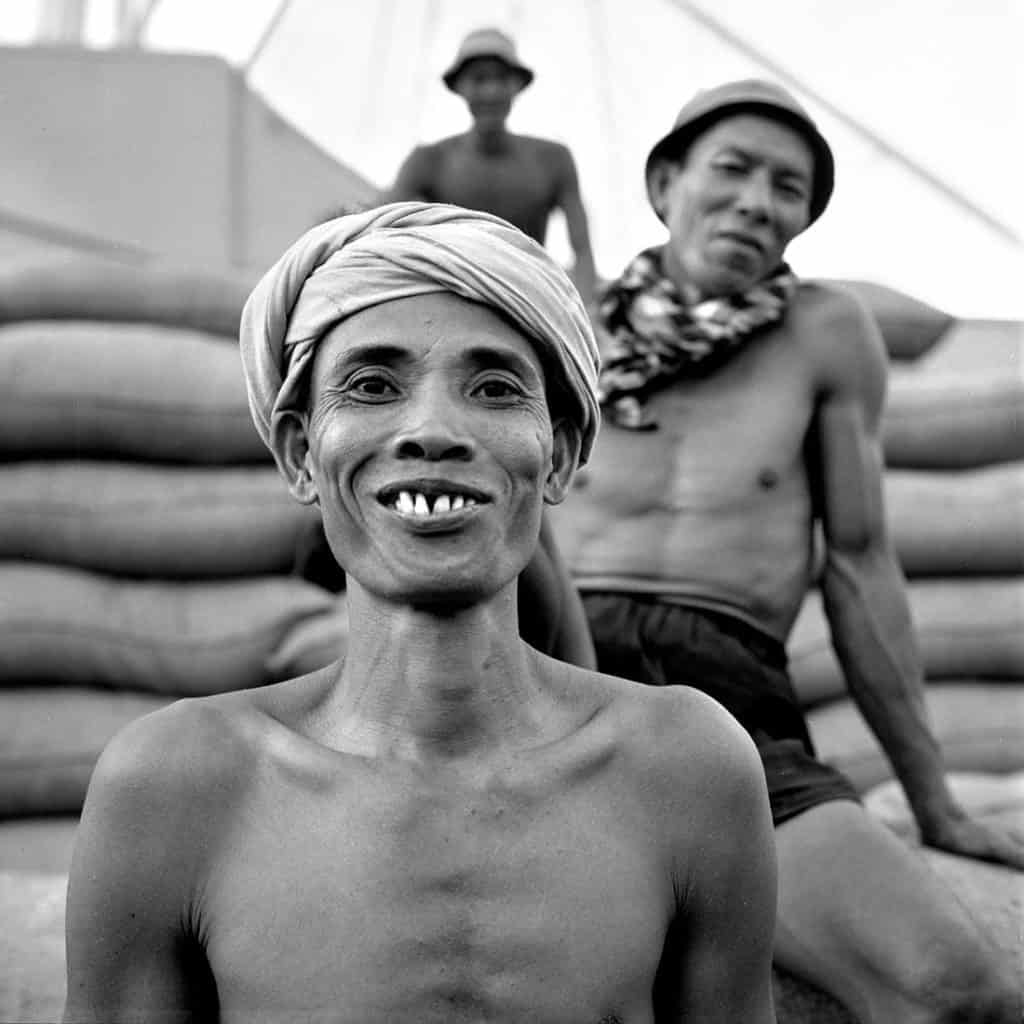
436, 588
721, 282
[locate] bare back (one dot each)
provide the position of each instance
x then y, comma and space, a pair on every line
522, 184
716, 506
308, 883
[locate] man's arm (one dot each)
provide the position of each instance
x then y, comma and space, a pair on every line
571, 204
129, 954
415, 178
551, 615
865, 596
717, 963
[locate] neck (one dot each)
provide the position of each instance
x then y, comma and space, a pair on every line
489, 139
673, 269
439, 683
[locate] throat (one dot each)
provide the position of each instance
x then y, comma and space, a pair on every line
490, 141
416, 683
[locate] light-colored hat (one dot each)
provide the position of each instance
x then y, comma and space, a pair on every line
487, 42
753, 96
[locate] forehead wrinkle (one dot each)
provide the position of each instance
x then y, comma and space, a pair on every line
781, 164
496, 354
742, 132
368, 352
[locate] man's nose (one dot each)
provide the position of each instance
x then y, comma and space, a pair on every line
433, 430
490, 87
755, 196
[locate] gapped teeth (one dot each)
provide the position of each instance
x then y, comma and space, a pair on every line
409, 503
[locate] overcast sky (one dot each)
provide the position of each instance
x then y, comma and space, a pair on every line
906, 90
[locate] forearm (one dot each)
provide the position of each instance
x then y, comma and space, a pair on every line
873, 636
551, 614
574, 642
584, 275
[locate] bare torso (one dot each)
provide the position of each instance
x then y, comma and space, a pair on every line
537, 883
715, 506
423, 896
520, 183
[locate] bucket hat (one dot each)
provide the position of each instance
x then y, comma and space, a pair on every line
750, 95
487, 42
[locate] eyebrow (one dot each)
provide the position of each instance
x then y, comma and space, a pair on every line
492, 355
501, 355
369, 353
786, 168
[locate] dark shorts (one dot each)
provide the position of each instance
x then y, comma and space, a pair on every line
639, 637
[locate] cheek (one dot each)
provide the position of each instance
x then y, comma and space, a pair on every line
337, 448
791, 223
525, 449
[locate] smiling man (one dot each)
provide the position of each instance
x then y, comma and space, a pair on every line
742, 409
518, 177
446, 826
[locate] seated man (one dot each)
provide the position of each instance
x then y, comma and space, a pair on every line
743, 411
517, 177
446, 825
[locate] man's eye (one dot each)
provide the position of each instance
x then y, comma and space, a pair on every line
496, 388
729, 167
371, 386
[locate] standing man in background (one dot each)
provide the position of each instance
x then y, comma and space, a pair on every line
517, 177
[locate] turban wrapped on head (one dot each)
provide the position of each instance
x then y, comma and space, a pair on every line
400, 250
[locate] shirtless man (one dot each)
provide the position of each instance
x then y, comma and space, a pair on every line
448, 826
744, 418
519, 178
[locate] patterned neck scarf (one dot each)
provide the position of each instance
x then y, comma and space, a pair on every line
655, 334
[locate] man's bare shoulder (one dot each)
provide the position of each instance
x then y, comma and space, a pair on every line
840, 331
829, 305
552, 153
829, 302
677, 739
440, 148
178, 762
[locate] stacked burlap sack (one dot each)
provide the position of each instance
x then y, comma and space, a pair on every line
146, 539
147, 543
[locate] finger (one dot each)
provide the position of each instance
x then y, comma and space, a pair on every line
1001, 847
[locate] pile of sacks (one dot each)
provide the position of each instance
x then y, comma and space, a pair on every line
147, 542
147, 545
146, 538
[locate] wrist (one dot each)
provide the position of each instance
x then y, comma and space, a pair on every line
936, 814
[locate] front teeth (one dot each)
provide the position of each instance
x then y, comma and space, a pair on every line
409, 504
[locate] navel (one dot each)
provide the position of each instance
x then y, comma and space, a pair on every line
768, 479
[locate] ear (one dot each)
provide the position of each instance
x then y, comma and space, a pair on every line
290, 445
565, 457
661, 176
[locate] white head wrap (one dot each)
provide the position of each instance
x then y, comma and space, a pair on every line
396, 251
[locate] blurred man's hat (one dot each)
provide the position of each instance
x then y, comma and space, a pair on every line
748, 96
487, 42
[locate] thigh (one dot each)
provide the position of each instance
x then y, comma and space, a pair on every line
862, 915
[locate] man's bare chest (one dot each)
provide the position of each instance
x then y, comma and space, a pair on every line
427, 898
514, 181
714, 442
